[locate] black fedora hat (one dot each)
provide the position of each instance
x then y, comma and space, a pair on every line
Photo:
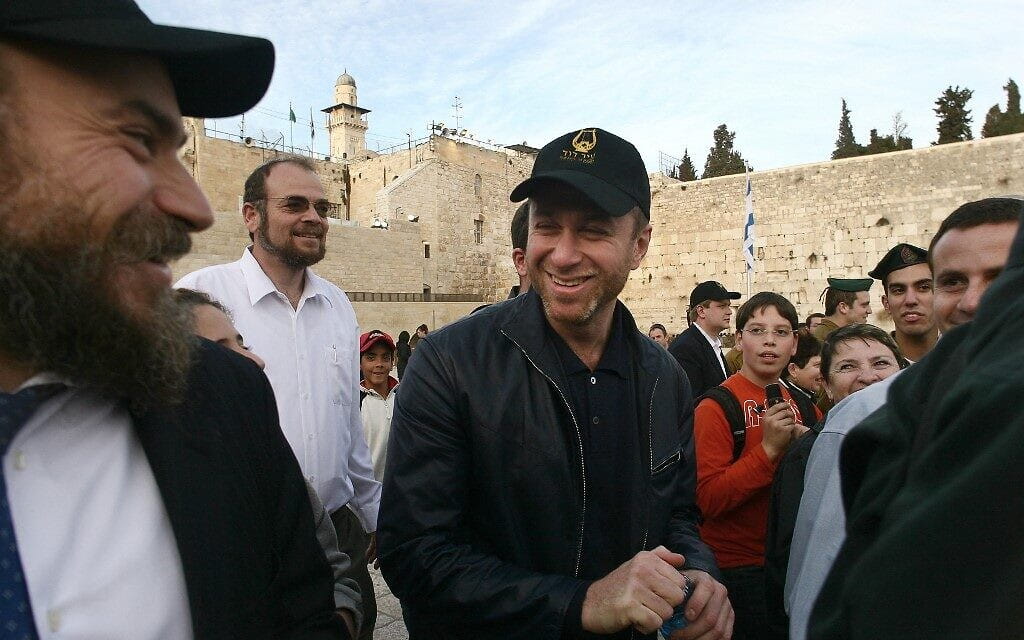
214, 74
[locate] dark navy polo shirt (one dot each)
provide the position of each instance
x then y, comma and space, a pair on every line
603, 402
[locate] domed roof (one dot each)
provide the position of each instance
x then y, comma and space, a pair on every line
345, 79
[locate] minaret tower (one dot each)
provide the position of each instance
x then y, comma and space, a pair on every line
346, 121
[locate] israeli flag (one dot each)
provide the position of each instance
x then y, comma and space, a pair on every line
748, 229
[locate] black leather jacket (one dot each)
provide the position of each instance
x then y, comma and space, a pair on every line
481, 518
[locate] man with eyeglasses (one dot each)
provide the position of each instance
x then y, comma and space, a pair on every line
734, 472
306, 330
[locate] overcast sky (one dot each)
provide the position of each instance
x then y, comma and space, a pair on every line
661, 74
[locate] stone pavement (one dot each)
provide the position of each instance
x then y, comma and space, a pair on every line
390, 625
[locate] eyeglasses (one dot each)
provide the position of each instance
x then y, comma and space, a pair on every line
301, 204
760, 332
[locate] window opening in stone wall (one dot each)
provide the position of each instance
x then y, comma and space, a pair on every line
478, 231
426, 249
477, 183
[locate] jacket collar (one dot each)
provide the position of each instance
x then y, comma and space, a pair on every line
527, 326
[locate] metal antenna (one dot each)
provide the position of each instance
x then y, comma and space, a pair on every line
457, 106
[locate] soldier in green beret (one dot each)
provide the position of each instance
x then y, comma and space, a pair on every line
907, 283
846, 302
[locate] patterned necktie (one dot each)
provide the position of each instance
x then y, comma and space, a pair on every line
15, 611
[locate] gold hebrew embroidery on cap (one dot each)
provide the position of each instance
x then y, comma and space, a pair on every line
585, 140
907, 255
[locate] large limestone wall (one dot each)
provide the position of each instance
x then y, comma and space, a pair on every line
395, 317
221, 167
357, 259
813, 221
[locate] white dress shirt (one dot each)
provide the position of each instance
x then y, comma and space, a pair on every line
820, 527
96, 545
312, 356
716, 345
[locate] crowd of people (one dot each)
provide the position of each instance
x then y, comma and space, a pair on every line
228, 457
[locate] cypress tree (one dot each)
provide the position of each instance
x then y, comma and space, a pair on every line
846, 144
687, 172
1000, 123
954, 116
723, 160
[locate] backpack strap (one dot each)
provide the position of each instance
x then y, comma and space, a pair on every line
806, 405
362, 396
733, 415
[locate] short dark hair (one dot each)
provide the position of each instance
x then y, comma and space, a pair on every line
807, 322
833, 297
403, 337
807, 346
190, 299
658, 325
255, 190
974, 214
521, 226
863, 332
422, 326
763, 300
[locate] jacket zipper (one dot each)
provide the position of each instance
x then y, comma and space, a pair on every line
650, 455
579, 441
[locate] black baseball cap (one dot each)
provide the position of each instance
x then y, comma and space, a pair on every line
214, 74
602, 166
711, 290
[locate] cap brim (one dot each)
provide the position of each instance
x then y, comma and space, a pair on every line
214, 74
734, 295
610, 199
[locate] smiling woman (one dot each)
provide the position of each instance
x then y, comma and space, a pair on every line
857, 356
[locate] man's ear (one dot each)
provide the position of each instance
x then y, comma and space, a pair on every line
885, 302
519, 261
791, 367
842, 308
640, 246
251, 217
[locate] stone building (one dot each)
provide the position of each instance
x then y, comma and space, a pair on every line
420, 233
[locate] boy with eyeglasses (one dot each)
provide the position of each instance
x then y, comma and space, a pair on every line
733, 482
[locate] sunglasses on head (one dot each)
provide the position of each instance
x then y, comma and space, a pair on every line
301, 204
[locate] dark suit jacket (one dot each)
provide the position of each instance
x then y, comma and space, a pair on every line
698, 359
239, 508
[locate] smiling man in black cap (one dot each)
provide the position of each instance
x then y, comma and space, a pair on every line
540, 478
147, 489
699, 349
847, 301
907, 282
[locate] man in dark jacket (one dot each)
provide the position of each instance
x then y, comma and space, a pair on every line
699, 349
540, 479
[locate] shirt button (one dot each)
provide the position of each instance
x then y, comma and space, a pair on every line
311, 479
593, 380
596, 420
19, 461
53, 620
305, 396
311, 436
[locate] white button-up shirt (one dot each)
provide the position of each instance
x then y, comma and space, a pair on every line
96, 545
312, 356
716, 345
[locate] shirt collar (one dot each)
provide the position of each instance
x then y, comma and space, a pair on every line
259, 285
616, 352
715, 342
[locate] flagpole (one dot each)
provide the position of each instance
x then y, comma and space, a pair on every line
312, 132
748, 228
291, 127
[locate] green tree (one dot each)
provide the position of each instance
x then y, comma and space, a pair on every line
846, 144
687, 172
954, 116
1001, 123
885, 144
723, 160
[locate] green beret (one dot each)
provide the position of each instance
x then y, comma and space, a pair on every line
900, 256
852, 285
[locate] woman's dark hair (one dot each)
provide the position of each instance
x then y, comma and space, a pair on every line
863, 332
403, 337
